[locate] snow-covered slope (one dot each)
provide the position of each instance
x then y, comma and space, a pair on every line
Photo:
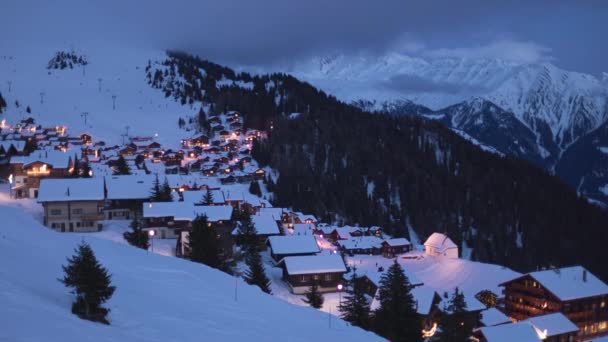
61, 96
157, 298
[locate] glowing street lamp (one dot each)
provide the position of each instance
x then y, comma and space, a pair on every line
340, 287
151, 234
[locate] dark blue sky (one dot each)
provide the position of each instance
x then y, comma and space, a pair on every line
571, 34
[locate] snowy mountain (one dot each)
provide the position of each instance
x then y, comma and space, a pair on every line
533, 111
157, 298
110, 90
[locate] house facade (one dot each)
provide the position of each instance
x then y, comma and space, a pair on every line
573, 291
301, 272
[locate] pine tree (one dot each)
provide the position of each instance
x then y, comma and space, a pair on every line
354, 307
456, 325
2, 103
137, 237
90, 282
166, 192
85, 170
247, 233
254, 188
155, 192
122, 168
256, 275
76, 167
202, 243
314, 298
396, 319
208, 197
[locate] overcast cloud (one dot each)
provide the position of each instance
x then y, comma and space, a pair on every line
568, 33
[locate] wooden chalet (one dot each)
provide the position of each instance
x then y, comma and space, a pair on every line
393, 247
285, 246
573, 291
301, 272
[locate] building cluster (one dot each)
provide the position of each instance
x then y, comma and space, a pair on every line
209, 175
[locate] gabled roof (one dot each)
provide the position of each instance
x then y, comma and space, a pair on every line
303, 244
361, 242
569, 283
197, 196
329, 263
125, 187
493, 316
183, 211
553, 324
70, 189
55, 158
265, 224
397, 242
520, 332
440, 242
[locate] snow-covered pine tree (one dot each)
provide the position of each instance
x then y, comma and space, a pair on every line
456, 324
165, 193
122, 168
314, 298
203, 243
2, 103
254, 188
354, 307
155, 192
256, 274
247, 233
90, 282
137, 237
396, 319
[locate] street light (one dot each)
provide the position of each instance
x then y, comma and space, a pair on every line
151, 234
340, 287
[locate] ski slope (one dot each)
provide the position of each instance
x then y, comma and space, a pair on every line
157, 298
60, 97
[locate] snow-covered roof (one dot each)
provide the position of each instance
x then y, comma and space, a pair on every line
198, 195
329, 263
129, 186
397, 242
276, 212
301, 229
553, 324
18, 144
183, 211
265, 224
520, 332
344, 232
569, 282
440, 242
493, 316
293, 244
55, 158
71, 189
361, 242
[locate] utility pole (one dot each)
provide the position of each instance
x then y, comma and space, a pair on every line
10, 83
41, 97
127, 128
99, 84
84, 66
123, 138
84, 115
113, 102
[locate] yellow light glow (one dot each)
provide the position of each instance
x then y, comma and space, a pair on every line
431, 332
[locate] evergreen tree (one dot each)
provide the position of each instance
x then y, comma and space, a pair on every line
254, 188
76, 167
256, 275
396, 319
2, 103
456, 325
208, 197
247, 233
203, 244
314, 298
137, 237
354, 306
166, 192
122, 168
155, 193
85, 170
90, 282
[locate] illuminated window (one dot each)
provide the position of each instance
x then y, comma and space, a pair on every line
603, 325
603, 304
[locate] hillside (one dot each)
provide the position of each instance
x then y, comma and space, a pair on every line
157, 298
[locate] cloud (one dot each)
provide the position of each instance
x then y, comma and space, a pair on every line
406, 83
520, 52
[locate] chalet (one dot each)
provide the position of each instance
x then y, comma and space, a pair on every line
440, 245
520, 332
300, 229
361, 245
85, 138
29, 170
125, 196
72, 204
301, 272
573, 291
196, 197
265, 225
201, 141
392, 247
218, 217
287, 246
